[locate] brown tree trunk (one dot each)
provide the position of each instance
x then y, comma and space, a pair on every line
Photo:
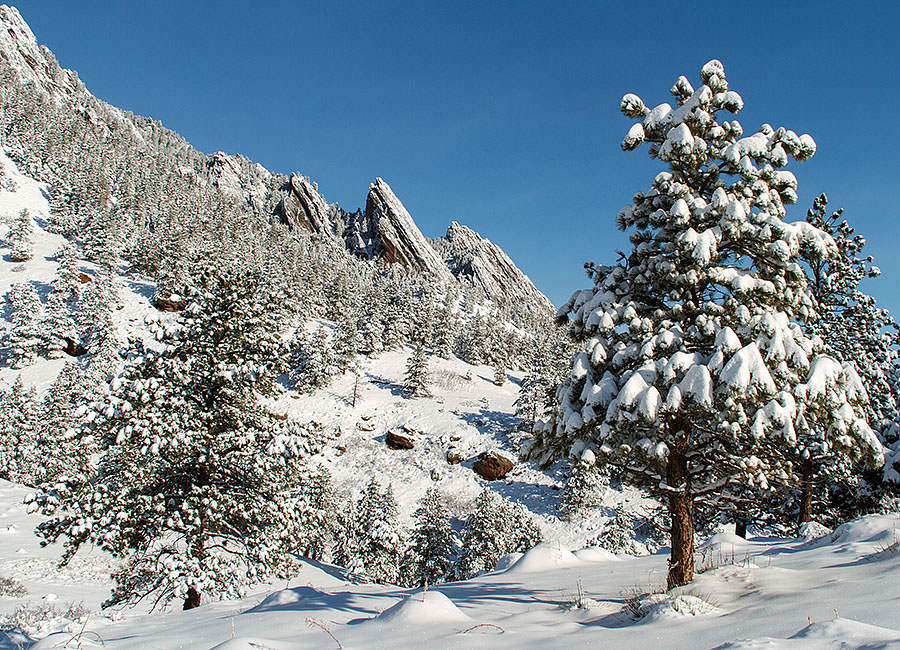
740, 528
192, 599
681, 510
806, 493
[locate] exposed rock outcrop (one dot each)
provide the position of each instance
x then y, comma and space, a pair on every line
386, 231
304, 209
486, 266
400, 439
493, 465
19, 50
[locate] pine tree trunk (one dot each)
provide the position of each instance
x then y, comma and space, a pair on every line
192, 599
806, 493
740, 528
681, 511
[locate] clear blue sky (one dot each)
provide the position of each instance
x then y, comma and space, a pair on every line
502, 116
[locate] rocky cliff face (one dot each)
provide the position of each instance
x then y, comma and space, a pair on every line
484, 264
20, 51
304, 209
386, 231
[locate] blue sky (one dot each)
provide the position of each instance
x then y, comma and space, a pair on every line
502, 116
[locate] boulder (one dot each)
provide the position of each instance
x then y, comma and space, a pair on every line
455, 456
400, 440
493, 464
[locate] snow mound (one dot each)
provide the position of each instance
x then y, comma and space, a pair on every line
545, 557
507, 561
726, 543
423, 608
876, 531
596, 554
674, 605
840, 633
813, 530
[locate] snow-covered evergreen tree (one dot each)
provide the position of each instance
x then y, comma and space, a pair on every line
381, 544
25, 315
415, 384
583, 490
695, 373
314, 362
500, 371
193, 484
318, 515
58, 332
855, 330
430, 552
496, 527
67, 284
21, 237
19, 434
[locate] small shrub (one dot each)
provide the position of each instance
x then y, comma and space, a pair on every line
12, 588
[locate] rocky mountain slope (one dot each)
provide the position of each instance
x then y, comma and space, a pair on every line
384, 231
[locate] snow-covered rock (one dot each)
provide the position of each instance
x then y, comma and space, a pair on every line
304, 209
387, 231
485, 265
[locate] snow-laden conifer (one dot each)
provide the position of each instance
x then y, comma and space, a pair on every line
25, 314
21, 237
430, 552
415, 383
19, 434
496, 527
194, 480
695, 371
380, 544
583, 490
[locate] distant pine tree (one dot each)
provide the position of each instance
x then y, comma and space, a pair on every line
21, 237
416, 382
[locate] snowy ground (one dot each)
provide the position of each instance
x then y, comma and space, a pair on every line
839, 591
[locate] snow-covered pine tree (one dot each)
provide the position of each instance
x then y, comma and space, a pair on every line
500, 371
546, 362
415, 384
19, 433
429, 557
313, 360
318, 516
346, 344
25, 315
445, 331
21, 237
67, 284
58, 332
381, 544
695, 371
496, 527
854, 329
193, 485
583, 489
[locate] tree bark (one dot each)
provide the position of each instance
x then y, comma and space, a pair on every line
192, 599
740, 528
806, 493
681, 511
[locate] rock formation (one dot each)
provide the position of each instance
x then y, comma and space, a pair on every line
386, 231
486, 266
